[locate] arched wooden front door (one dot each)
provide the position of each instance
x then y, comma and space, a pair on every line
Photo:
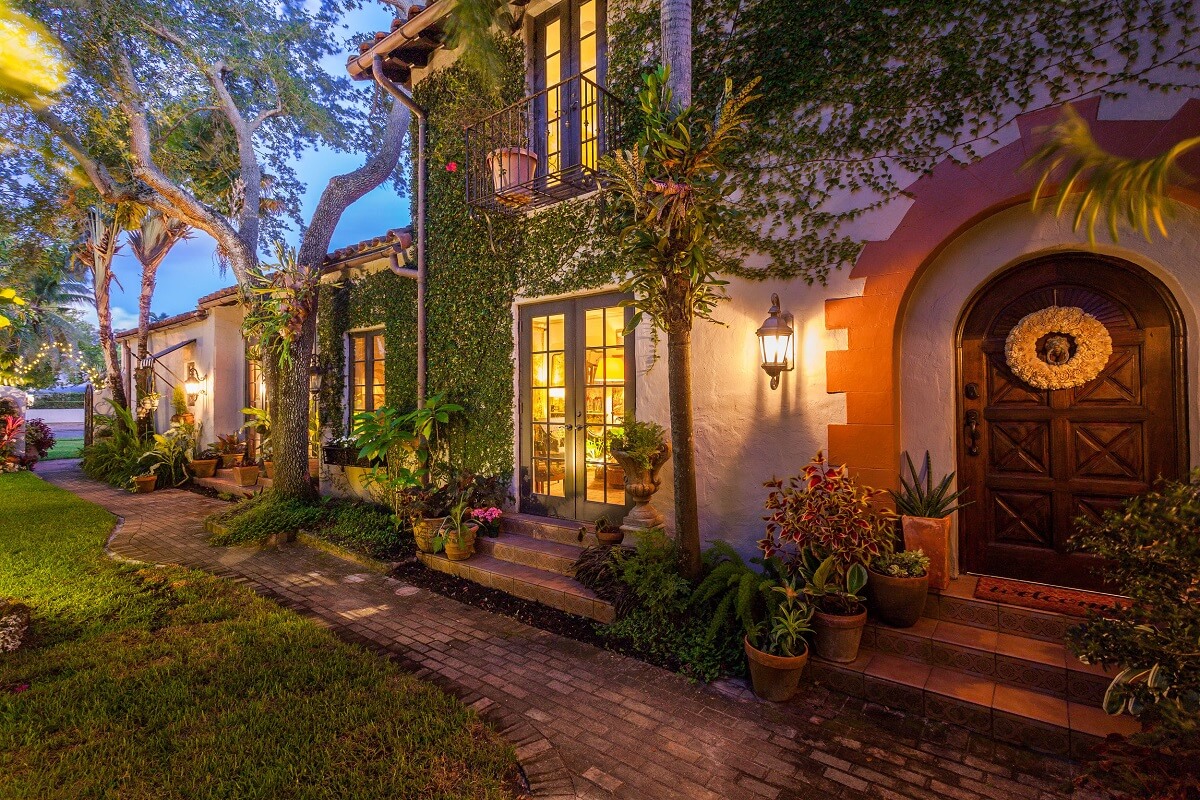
1035, 460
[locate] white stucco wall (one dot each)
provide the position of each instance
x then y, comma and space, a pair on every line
930, 319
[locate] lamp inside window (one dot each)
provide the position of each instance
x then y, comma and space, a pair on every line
777, 343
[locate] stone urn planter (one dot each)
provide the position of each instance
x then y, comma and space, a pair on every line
144, 484
640, 485
897, 601
836, 636
425, 530
245, 476
204, 467
931, 534
460, 547
774, 678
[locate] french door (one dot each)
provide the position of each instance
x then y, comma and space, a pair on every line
569, 41
577, 372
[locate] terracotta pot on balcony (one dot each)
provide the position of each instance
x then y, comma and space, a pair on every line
512, 167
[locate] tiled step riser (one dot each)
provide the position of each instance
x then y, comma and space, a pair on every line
499, 577
563, 533
1061, 738
993, 616
505, 551
1077, 685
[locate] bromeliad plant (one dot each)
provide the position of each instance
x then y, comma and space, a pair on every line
790, 620
921, 498
823, 513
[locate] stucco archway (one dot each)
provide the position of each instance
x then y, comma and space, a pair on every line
951, 201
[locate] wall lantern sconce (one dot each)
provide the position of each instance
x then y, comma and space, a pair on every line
193, 387
316, 373
776, 339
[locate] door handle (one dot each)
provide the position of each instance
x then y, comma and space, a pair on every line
971, 430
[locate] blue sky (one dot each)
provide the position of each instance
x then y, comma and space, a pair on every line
191, 271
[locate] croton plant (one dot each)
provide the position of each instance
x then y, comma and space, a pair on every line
826, 511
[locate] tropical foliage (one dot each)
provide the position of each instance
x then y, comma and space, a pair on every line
1098, 183
918, 497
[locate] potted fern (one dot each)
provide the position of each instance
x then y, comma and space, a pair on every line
641, 449
925, 511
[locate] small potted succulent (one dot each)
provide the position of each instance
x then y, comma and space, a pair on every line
607, 534
144, 484
898, 586
776, 649
641, 449
925, 512
459, 532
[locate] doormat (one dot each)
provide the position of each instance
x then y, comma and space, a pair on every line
1074, 602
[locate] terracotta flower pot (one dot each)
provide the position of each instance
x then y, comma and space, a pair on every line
245, 476
836, 637
230, 460
511, 167
931, 534
774, 678
462, 546
269, 468
425, 530
314, 467
186, 419
204, 467
897, 601
610, 537
144, 484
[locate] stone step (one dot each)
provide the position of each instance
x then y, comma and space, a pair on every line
957, 603
543, 554
1036, 665
1000, 710
223, 481
550, 588
563, 531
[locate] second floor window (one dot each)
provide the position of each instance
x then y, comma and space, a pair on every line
569, 41
367, 358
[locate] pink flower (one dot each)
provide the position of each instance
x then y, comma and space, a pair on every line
452, 166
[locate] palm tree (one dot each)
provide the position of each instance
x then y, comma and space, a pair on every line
1116, 187
95, 251
675, 21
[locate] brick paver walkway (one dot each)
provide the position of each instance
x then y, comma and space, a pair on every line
586, 722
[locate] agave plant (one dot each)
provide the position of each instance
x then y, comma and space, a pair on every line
921, 498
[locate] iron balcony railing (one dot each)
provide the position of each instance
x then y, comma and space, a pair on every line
542, 150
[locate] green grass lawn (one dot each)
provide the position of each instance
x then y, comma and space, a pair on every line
169, 683
64, 448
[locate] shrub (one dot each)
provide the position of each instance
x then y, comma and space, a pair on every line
39, 436
733, 596
1151, 549
682, 646
643, 442
652, 574
255, 519
115, 458
825, 511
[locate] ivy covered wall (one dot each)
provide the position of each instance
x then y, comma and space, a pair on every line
478, 266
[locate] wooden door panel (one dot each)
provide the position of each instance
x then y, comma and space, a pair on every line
1043, 459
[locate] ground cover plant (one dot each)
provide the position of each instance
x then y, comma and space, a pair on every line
224, 693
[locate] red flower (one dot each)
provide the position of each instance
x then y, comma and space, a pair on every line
452, 166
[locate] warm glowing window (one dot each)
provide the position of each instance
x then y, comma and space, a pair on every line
367, 358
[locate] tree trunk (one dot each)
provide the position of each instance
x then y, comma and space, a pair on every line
144, 376
289, 400
108, 343
675, 20
679, 392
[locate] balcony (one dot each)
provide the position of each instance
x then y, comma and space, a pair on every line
543, 149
